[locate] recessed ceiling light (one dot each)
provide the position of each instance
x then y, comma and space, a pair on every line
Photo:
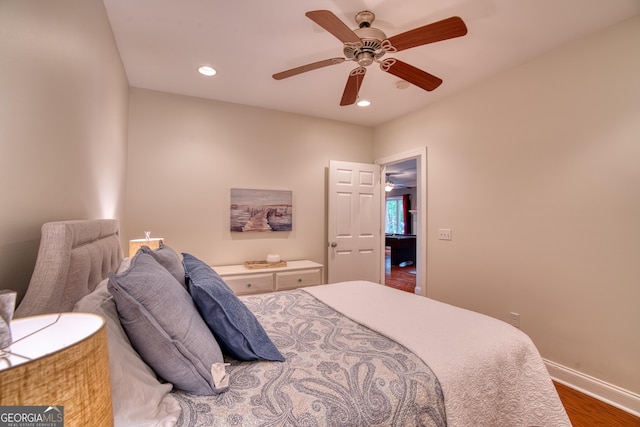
208, 71
364, 103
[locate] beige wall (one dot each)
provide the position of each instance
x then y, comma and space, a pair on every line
186, 153
63, 119
537, 171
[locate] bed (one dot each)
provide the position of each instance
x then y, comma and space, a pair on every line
354, 353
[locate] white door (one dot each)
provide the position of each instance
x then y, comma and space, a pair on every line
354, 226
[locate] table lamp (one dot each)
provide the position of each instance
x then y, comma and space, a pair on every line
136, 244
57, 368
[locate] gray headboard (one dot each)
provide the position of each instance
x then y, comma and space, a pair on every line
73, 258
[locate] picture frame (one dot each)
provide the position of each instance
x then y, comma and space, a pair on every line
253, 210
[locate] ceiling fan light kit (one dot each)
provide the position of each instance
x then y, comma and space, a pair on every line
366, 45
388, 186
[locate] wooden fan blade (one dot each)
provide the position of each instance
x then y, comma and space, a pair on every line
330, 22
413, 75
352, 88
442, 30
308, 67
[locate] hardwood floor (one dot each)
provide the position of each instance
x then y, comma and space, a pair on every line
403, 278
583, 410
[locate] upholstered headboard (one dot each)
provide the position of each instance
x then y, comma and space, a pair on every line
73, 258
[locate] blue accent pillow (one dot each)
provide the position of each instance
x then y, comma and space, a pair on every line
239, 333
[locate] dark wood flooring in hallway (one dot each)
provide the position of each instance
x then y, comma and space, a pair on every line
403, 278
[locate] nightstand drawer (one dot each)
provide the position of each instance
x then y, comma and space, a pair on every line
296, 273
250, 284
297, 279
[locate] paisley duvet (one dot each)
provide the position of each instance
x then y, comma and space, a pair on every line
337, 373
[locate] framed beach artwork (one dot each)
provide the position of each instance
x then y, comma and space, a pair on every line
261, 210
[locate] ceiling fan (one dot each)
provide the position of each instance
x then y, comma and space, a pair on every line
366, 45
390, 184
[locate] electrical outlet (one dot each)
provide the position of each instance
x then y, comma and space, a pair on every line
515, 320
444, 234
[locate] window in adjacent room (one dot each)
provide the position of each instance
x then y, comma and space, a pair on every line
395, 216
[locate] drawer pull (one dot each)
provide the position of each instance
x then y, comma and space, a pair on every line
248, 285
299, 280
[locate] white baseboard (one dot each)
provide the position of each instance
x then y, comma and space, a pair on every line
598, 389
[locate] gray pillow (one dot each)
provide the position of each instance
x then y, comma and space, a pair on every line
238, 331
138, 397
165, 328
169, 259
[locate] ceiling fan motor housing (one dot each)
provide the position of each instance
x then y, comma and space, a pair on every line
370, 48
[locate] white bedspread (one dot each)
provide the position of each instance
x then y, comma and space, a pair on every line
490, 372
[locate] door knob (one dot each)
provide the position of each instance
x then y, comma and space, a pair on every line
334, 244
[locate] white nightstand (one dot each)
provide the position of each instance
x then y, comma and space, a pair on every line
296, 274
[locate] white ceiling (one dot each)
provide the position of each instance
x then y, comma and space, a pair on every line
162, 42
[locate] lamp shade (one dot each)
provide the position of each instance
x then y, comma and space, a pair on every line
136, 244
60, 361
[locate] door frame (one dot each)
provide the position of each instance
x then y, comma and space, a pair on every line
421, 233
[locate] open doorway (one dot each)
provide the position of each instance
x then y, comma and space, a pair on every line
404, 220
400, 222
